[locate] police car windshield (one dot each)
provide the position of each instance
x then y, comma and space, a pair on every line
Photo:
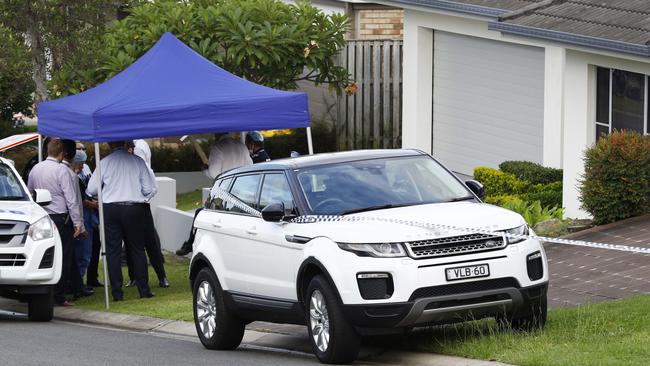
10, 187
366, 185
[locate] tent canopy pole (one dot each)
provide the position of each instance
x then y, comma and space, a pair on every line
40, 147
310, 144
102, 232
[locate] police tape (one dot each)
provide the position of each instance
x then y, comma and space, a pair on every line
310, 219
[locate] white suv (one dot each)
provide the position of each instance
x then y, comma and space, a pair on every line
30, 247
369, 273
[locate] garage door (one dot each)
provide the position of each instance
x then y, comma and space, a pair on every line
488, 102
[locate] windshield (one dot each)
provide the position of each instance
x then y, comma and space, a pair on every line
10, 187
379, 183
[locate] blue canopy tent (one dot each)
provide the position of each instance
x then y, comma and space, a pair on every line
170, 91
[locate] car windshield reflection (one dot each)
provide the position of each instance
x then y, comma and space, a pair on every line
366, 185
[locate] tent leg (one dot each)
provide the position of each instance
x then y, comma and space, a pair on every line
40, 148
310, 144
102, 232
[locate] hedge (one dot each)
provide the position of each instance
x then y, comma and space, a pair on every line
501, 187
498, 183
616, 182
532, 172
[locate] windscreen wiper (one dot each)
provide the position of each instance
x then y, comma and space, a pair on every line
12, 198
466, 198
373, 208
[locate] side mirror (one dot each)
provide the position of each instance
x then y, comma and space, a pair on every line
42, 197
273, 212
476, 187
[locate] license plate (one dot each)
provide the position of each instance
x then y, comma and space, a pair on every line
461, 273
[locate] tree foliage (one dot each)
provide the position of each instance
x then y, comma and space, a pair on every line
264, 41
16, 84
58, 33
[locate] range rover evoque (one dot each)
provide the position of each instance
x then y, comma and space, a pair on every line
346, 279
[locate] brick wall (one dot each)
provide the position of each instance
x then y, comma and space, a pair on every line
379, 24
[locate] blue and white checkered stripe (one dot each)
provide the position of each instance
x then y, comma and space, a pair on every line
310, 219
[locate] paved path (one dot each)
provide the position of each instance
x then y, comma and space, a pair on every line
586, 275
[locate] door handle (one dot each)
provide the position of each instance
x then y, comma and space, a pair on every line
217, 224
252, 231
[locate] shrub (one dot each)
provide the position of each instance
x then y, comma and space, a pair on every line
616, 182
532, 172
533, 213
550, 195
498, 183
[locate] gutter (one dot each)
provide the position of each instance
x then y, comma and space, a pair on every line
570, 38
455, 7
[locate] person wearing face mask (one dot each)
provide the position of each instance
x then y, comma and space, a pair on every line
255, 145
64, 209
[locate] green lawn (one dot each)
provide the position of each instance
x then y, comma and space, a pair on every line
189, 201
610, 333
174, 302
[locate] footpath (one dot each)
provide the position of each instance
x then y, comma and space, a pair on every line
259, 335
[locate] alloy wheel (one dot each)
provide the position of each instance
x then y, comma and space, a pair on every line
206, 309
319, 321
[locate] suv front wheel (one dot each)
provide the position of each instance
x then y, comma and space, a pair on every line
332, 338
217, 327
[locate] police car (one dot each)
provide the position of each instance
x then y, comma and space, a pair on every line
342, 246
30, 247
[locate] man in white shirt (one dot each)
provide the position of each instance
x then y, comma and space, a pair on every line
128, 184
227, 153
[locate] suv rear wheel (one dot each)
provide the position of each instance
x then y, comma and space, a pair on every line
332, 338
40, 308
217, 327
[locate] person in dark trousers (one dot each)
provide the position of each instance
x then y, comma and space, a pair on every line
91, 219
127, 185
255, 145
152, 245
50, 174
76, 284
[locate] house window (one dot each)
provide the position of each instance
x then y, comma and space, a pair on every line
621, 101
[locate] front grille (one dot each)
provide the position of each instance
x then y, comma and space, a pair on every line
13, 233
465, 287
454, 245
48, 259
12, 260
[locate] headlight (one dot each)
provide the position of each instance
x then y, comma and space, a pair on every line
520, 230
382, 250
41, 229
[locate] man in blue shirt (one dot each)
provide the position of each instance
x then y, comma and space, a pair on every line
128, 184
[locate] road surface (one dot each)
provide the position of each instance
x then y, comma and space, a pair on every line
60, 343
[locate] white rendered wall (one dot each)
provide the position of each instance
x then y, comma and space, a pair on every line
579, 116
554, 63
173, 227
166, 195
